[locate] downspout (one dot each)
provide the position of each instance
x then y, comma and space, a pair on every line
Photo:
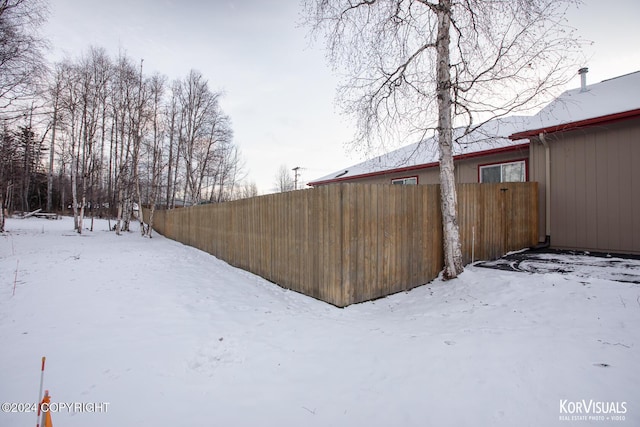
547, 192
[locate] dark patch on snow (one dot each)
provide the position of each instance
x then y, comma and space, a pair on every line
584, 264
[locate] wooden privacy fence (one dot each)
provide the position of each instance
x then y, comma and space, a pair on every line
348, 243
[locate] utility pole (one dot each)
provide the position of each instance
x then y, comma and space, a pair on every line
295, 177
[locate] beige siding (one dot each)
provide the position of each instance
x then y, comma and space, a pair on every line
467, 169
537, 173
595, 187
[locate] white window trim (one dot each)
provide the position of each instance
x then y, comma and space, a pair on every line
522, 162
404, 180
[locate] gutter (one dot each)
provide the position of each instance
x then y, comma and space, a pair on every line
594, 121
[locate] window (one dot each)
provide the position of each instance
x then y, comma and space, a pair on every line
504, 172
413, 180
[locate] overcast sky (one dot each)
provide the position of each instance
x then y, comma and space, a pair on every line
279, 89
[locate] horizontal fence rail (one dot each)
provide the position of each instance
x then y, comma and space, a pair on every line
348, 243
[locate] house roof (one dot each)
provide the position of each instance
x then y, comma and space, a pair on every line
608, 101
490, 138
605, 102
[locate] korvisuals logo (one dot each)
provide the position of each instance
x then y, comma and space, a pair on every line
592, 410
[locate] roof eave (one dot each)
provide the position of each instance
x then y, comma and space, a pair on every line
609, 118
423, 165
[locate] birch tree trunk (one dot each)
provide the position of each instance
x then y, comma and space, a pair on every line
127, 209
138, 198
156, 170
74, 191
1, 212
119, 215
172, 120
51, 154
156, 150
448, 203
77, 202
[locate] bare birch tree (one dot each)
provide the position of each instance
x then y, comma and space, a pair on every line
54, 93
284, 180
127, 115
154, 147
227, 168
204, 129
416, 66
172, 113
70, 111
95, 71
22, 65
140, 120
112, 130
247, 190
80, 98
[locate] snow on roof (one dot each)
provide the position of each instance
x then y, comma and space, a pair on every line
492, 135
607, 98
601, 100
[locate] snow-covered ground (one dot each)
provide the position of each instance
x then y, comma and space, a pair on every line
167, 335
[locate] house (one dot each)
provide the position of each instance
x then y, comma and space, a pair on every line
484, 155
583, 149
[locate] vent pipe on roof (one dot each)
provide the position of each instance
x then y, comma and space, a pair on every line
583, 78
